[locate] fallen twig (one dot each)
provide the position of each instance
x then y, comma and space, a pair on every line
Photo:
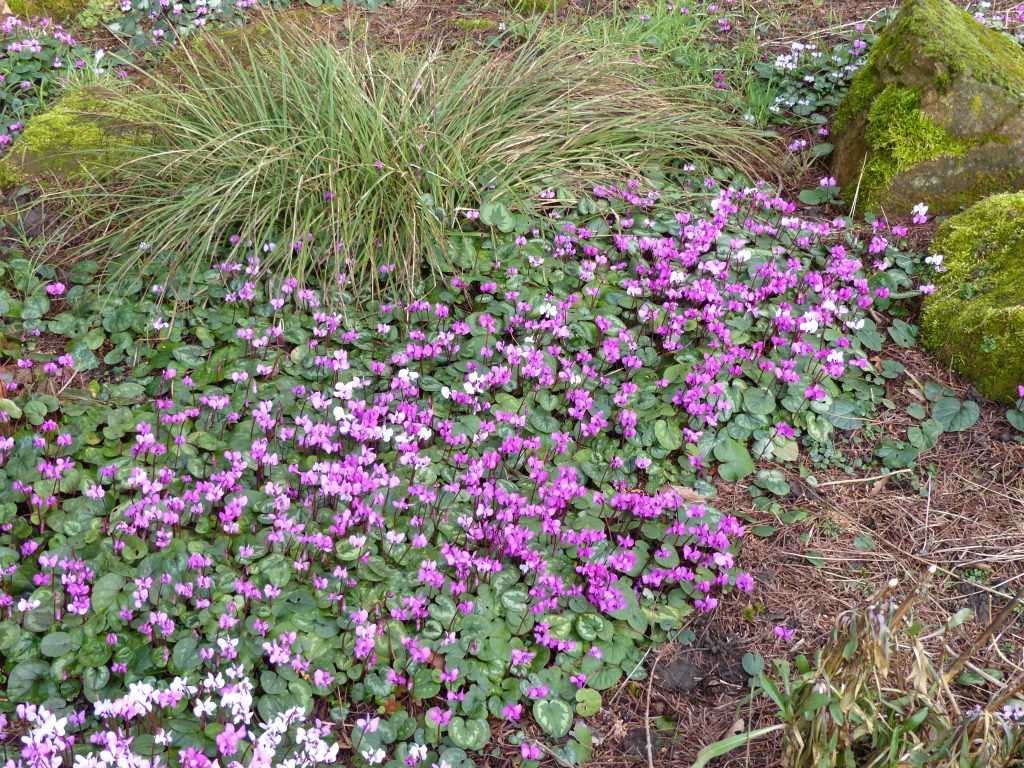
864, 479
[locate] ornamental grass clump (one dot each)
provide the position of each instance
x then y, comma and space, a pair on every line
356, 159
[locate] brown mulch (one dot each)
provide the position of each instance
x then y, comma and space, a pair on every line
960, 509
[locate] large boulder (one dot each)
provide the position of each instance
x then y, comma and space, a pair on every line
936, 115
84, 132
975, 319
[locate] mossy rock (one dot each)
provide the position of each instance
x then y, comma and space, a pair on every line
935, 116
58, 10
975, 319
85, 132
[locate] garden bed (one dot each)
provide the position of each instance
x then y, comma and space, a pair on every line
549, 468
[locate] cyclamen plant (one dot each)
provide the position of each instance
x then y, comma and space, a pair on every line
145, 23
410, 524
1015, 415
808, 82
33, 56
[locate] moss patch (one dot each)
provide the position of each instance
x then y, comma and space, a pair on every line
476, 25
865, 86
900, 136
58, 10
78, 135
975, 319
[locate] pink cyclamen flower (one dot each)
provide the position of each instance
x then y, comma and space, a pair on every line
784, 633
55, 289
530, 751
227, 740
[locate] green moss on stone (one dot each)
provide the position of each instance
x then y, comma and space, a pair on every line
900, 136
59, 10
937, 84
9, 177
865, 86
937, 40
975, 319
79, 134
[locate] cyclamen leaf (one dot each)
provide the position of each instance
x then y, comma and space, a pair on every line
735, 460
469, 734
105, 590
56, 644
759, 402
23, 678
955, 415
553, 716
814, 196
668, 435
497, 215
1016, 419
903, 333
588, 702
10, 408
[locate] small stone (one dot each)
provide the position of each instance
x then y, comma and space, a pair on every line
681, 676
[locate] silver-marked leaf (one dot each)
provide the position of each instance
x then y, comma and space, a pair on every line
554, 717
470, 734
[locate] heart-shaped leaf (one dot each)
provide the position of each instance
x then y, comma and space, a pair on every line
554, 717
470, 734
759, 402
668, 435
588, 702
956, 415
56, 644
735, 460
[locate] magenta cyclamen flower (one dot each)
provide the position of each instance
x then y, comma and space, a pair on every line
229, 738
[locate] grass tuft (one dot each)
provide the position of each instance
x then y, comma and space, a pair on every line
355, 158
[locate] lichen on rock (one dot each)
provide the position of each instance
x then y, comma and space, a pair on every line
936, 115
83, 132
975, 319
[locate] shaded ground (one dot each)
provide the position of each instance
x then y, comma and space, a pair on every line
961, 509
